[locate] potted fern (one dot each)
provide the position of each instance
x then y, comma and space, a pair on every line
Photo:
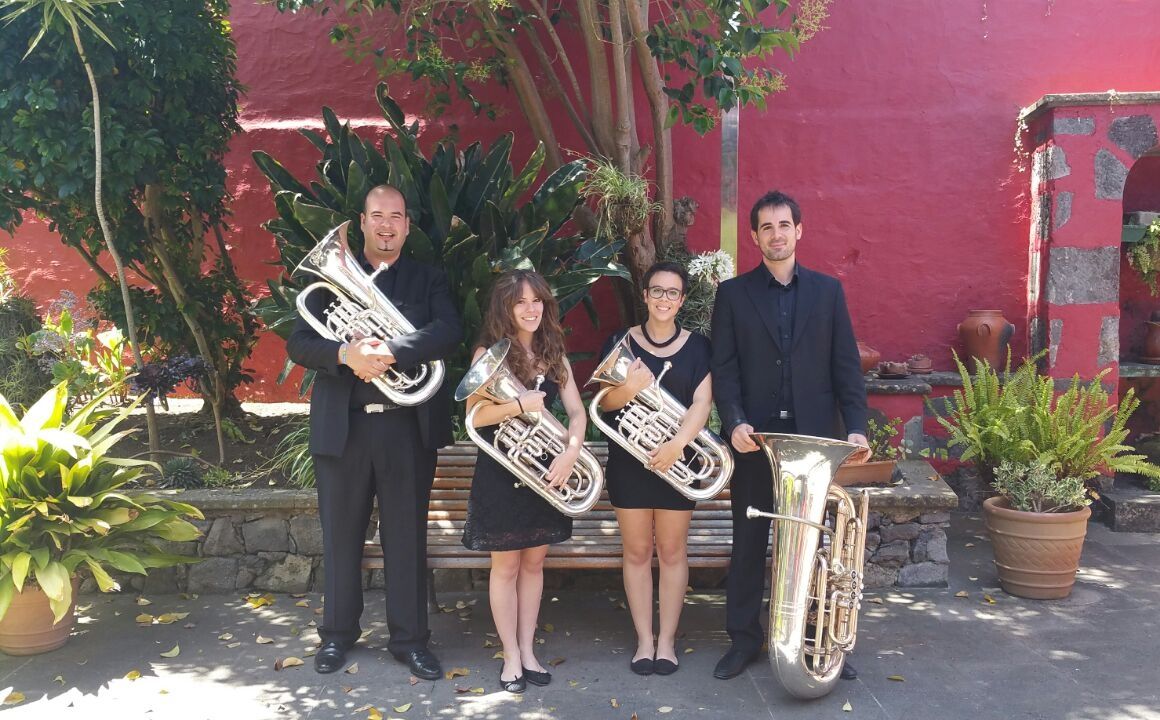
1042, 453
62, 511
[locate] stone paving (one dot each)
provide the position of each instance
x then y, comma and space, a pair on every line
922, 653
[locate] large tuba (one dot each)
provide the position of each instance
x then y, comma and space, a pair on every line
651, 419
817, 581
360, 310
527, 443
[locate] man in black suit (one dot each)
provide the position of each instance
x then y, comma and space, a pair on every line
364, 446
784, 361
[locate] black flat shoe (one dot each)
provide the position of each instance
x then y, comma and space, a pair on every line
537, 678
665, 667
848, 672
422, 662
733, 663
516, 686
644, 666
330, 657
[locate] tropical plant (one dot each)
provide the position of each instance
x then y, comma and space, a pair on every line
292, 457
692, 60
1034, 487
1019, 418
1144, 257
62, 507
621, 199
465, 210
22, 379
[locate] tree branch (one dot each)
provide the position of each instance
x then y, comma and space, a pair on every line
623, 102
659, 110
598, 77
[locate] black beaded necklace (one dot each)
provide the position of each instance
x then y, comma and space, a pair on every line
654, 343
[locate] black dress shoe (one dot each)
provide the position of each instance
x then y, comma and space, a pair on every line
644, 666
733, 663
537, 678
665, 667
330, 657
423, 663
516, 686
848, 671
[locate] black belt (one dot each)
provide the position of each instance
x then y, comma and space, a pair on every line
375, 408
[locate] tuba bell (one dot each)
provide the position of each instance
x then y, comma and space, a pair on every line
360, 310
651, 419
816, 588
525, 444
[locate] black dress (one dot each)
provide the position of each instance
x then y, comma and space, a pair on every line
630, 483
503, 513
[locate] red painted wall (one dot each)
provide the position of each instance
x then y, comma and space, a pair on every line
896, 135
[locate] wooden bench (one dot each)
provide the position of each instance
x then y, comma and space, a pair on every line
595, 542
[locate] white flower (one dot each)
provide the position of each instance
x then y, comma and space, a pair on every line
712, 266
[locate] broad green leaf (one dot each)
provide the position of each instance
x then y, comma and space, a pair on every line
53, 580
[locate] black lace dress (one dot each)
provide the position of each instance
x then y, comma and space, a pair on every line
503, 513
630, 484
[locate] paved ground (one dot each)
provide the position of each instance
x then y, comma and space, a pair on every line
921, 654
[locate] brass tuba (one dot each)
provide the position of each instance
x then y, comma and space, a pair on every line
525, 444
816, 588
360, 310
651, 419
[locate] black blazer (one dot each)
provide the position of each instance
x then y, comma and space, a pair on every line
423, 296
747, 359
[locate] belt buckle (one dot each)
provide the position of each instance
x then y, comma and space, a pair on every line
784, 415
372, 408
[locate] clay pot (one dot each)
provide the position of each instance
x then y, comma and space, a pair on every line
1036, 554
893, 368
985, 335
27, 627
875, 472
869, 357
1152, 342
920, 364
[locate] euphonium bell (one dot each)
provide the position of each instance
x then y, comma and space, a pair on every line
360, 310
816, 588
651, 419
527, 443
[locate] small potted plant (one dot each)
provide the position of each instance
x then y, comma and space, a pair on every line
1042, 453
884, 456
63, 511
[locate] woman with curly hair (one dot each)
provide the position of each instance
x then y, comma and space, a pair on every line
504, 517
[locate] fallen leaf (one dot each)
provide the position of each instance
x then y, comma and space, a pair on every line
144, 619
556, 661
665, 709
847, 707
169, 618
548, 627
132, 674
172, 653
59, 679
969, 545
688, 650
456, 672
318, 611
188, 596
573, 683
347, 689
259, 601
459, 605
403, 708
972, 578
374, 714
614, 702
896, 678
262, 640
493, 635
487, 643
413, 680
634, 717
302, 603
988, 599
353, 669
875, 600
961, 594
498, 655
365, 634
226, 636
297, 595
14, 698
144, 601
446, 609
287, 662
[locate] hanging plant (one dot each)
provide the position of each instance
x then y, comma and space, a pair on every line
1144, 257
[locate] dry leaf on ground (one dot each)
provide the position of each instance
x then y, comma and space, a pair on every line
413, 680
287, 662
614, 703
144, 619
988, 599
14, 698
257, 601
847, 707
144, 601
403, 708
498, 655
59, 679
487, 643
896, 678
374, 714
302, 603
557, 661
548, 627
172, 653
961, 594
665, 709
263, 640
875, 600
456, 672
233, 644
132, 674
226, 636
353, 669
169, 618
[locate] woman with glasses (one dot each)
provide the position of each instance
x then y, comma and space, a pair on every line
649, 510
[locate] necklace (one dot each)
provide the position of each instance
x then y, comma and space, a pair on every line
654, 343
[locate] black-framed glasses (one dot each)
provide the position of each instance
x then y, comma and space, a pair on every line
656, 293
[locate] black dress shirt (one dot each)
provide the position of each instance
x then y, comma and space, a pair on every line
783, 300
365, 393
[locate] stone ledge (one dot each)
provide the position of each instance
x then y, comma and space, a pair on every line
1139, 370
1131, 509
913, 385
921, 488
1108, 98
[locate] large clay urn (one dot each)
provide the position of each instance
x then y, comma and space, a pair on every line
985, 335
1036, 554
27, 628
869, 357
1152, 342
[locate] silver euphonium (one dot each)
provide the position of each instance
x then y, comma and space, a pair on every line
819, 541
652, 418
527, 443
360, 310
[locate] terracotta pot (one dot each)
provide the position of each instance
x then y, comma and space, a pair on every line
869, 357
876, 472
1152, 342
27, 627
1036, 554
893, 369
920, 364
985, 335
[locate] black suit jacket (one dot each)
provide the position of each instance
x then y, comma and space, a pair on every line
423, 296
748, 360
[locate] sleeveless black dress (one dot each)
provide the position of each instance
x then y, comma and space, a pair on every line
503, 513
630, 484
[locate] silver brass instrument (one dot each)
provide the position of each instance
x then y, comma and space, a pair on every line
816, 588
651, 419
360, 310
527, 443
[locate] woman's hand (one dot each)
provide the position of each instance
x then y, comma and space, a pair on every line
532, 401
639, 377
561, 467
665, 456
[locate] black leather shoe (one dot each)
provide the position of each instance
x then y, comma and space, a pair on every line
848, 671
330, 657
664, 667
540, 679
516, 686
644, 666
733, 663
423, 663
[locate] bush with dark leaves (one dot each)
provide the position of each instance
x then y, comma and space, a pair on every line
159, 379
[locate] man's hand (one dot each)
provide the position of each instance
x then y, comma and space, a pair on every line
368, 358
741, 440
862, 455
